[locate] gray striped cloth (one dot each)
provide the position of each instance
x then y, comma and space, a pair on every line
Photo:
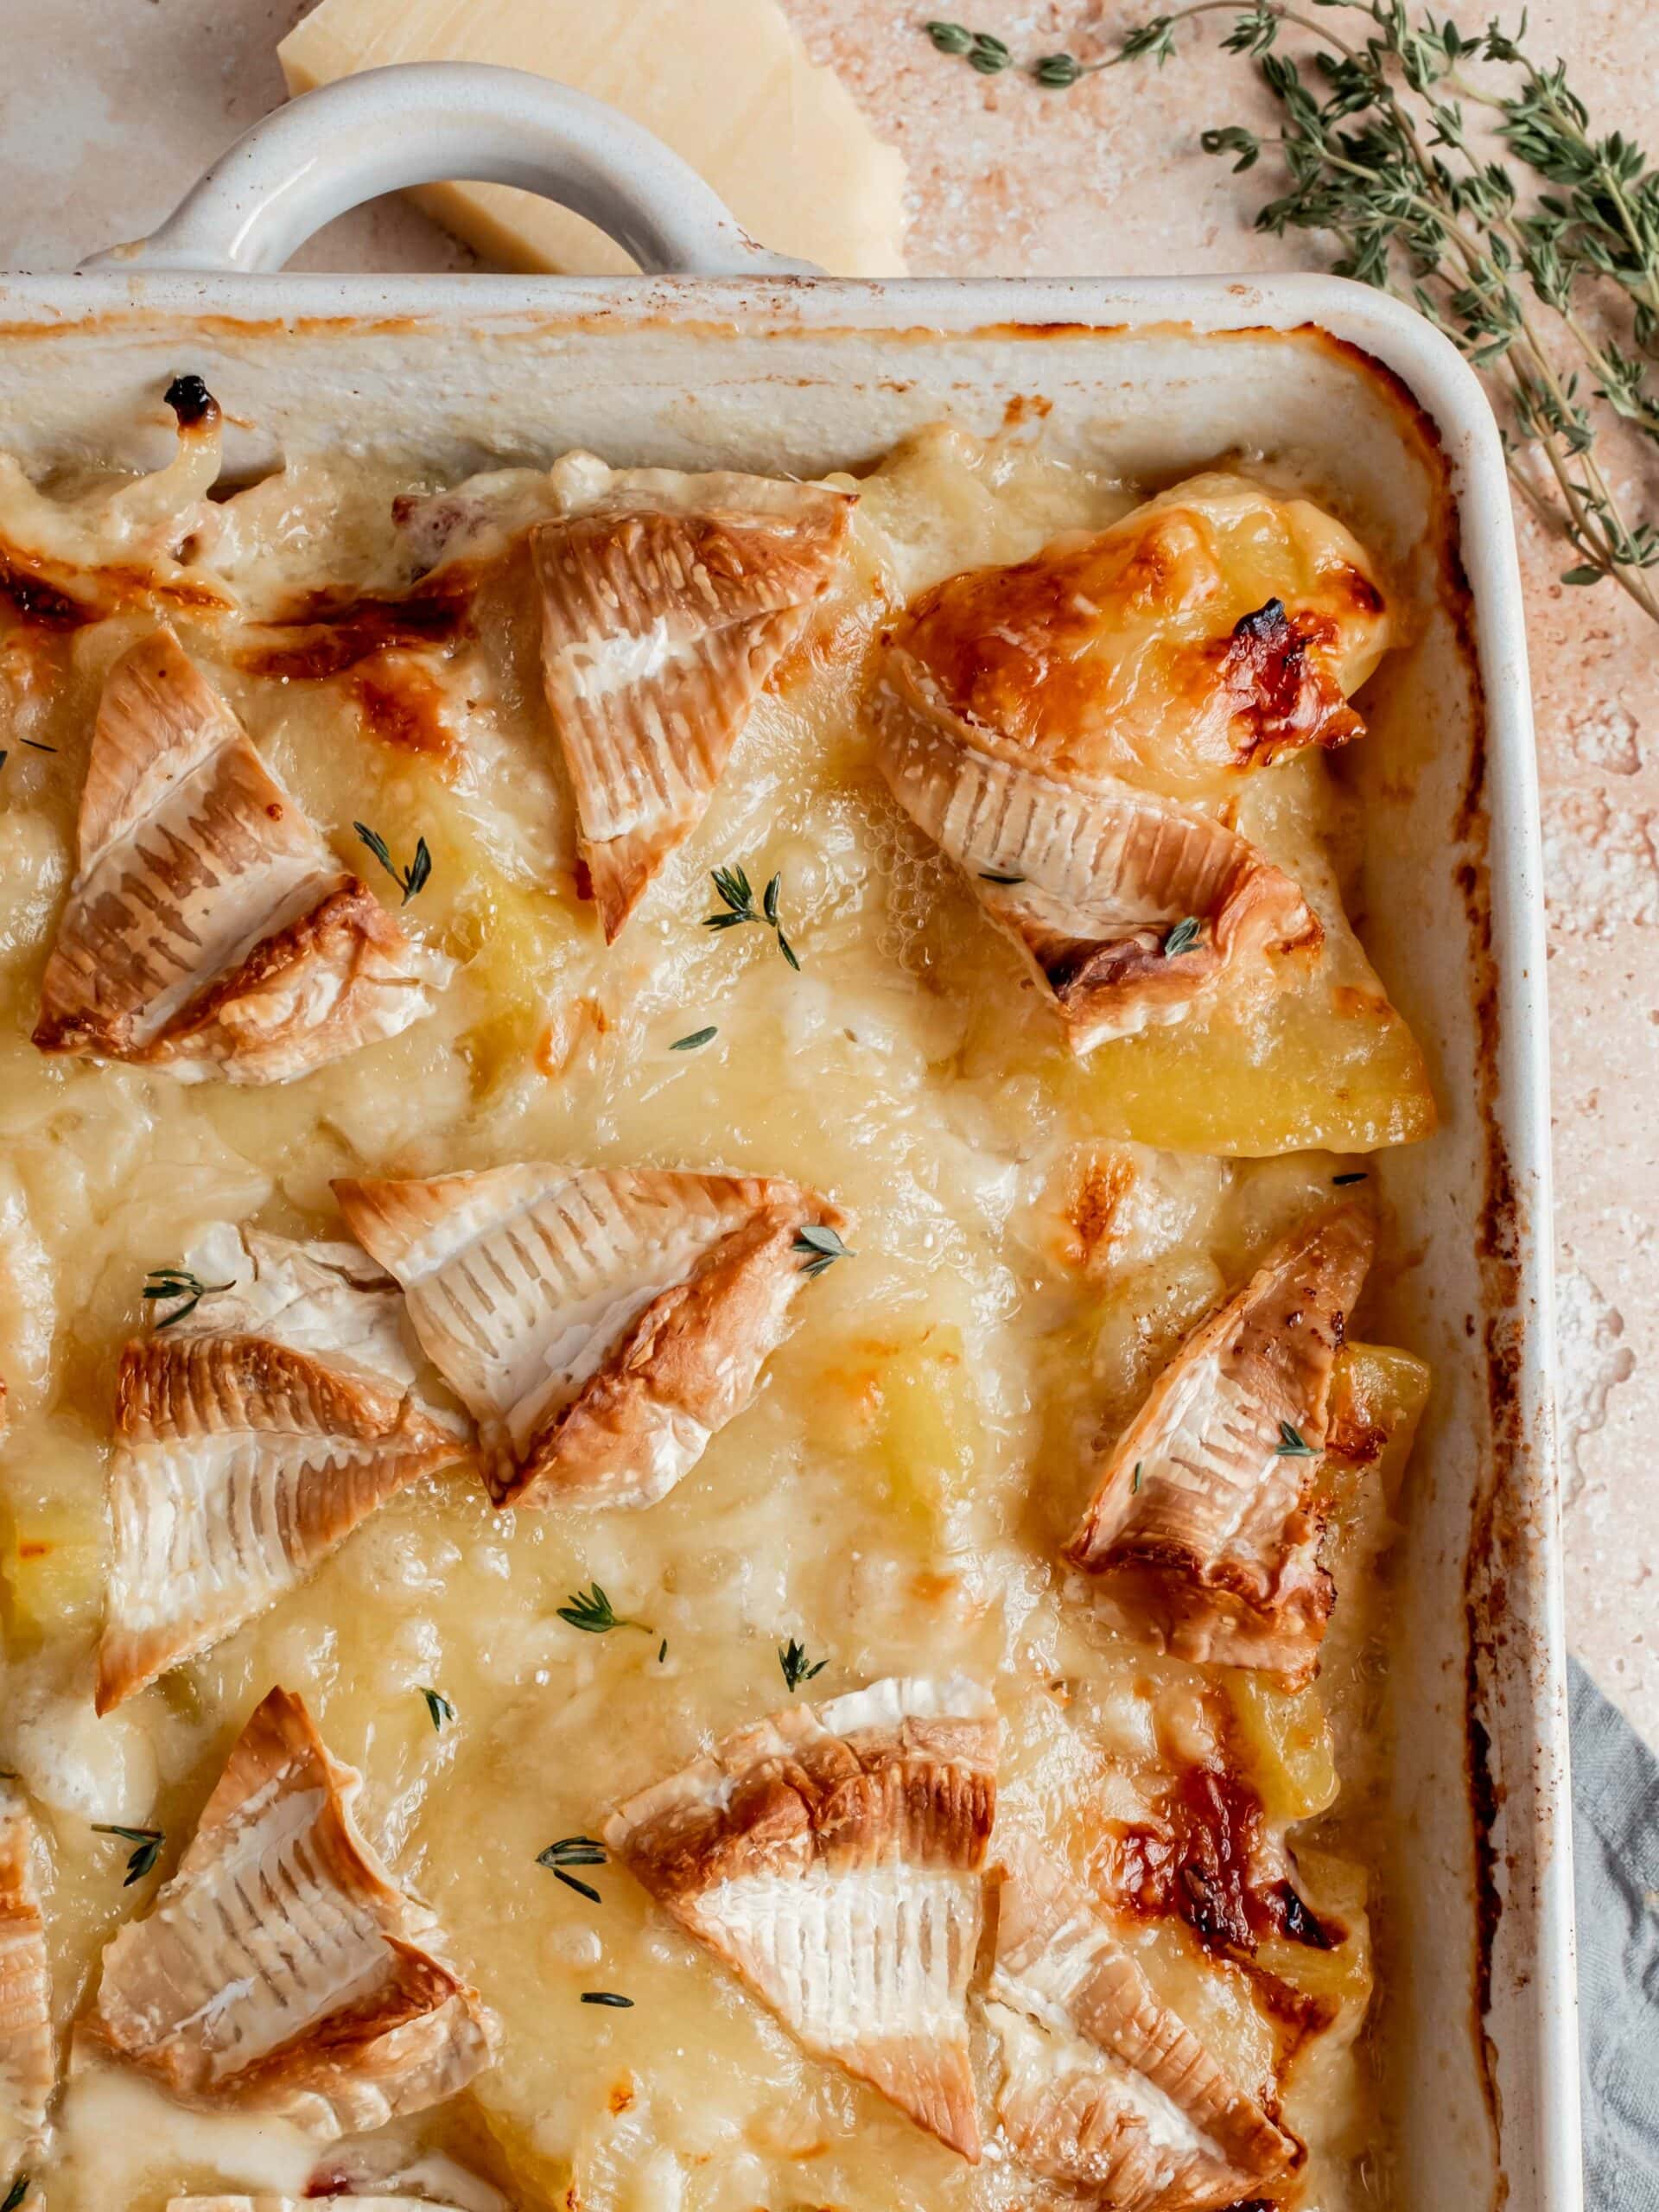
1616, 1871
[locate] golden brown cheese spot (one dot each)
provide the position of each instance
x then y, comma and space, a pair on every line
402, 705
37, 601
622, 2094
1283, 695
1215, 627
326, 635
1203, 1860
1100, 1184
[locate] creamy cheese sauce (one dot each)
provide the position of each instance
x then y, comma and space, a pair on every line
895, 1496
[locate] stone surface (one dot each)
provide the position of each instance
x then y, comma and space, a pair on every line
111, 107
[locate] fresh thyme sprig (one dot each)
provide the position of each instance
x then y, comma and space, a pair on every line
820, 1248
147, 1847
591, 1610
1382, 155
412, 880
438, 1707
1292, 1444
574, 1851
737, 904
171, 1283
792, 1657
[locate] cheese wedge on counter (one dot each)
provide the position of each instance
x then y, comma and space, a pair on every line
725, 83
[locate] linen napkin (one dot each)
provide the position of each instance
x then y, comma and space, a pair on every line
1615, 1873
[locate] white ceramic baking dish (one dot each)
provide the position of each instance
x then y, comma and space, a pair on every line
724, 354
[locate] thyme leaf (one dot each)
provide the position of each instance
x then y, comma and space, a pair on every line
590, 1610
1354, 1175
411, 880
695, 1041
438, 1707
20, 2187
607, 1997
1182, 938
821, 1246
736, 894
792, 1657
147, 1850
178, 1283
1293, 1445
994, 875
1135, 1479
574, 1851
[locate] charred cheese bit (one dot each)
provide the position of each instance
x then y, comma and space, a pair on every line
27, 2065
281, 1970
251, 1438
600, 1325
667, 601
1205, 1516
1218, 626
830, 1857
1130, 907
209, 929
1101, 2086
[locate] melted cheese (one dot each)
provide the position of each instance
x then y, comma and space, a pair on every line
896, 1495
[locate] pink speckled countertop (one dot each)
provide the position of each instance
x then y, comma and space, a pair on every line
111, 109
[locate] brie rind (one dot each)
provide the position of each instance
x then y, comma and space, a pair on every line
209, 930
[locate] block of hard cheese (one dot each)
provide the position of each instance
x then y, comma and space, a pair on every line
726, 83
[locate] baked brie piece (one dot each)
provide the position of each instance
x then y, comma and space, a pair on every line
254, 1430
1217, 626
1129, 906
667, 601
1098, 2084
282, 1969
1203, 1517
600, 1325
27, 2065
831, 1857
209, 929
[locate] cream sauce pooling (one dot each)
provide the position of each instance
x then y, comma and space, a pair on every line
895, 1496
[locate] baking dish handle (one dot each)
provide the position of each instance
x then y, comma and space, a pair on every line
432, 122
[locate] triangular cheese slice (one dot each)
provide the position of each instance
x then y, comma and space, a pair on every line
666, 603
1131, 908
1204, 1515
252, 1434
1213, 628
831, 1858
600, 1325
1099, 2085
209, 929
27, 2065
282, 1969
